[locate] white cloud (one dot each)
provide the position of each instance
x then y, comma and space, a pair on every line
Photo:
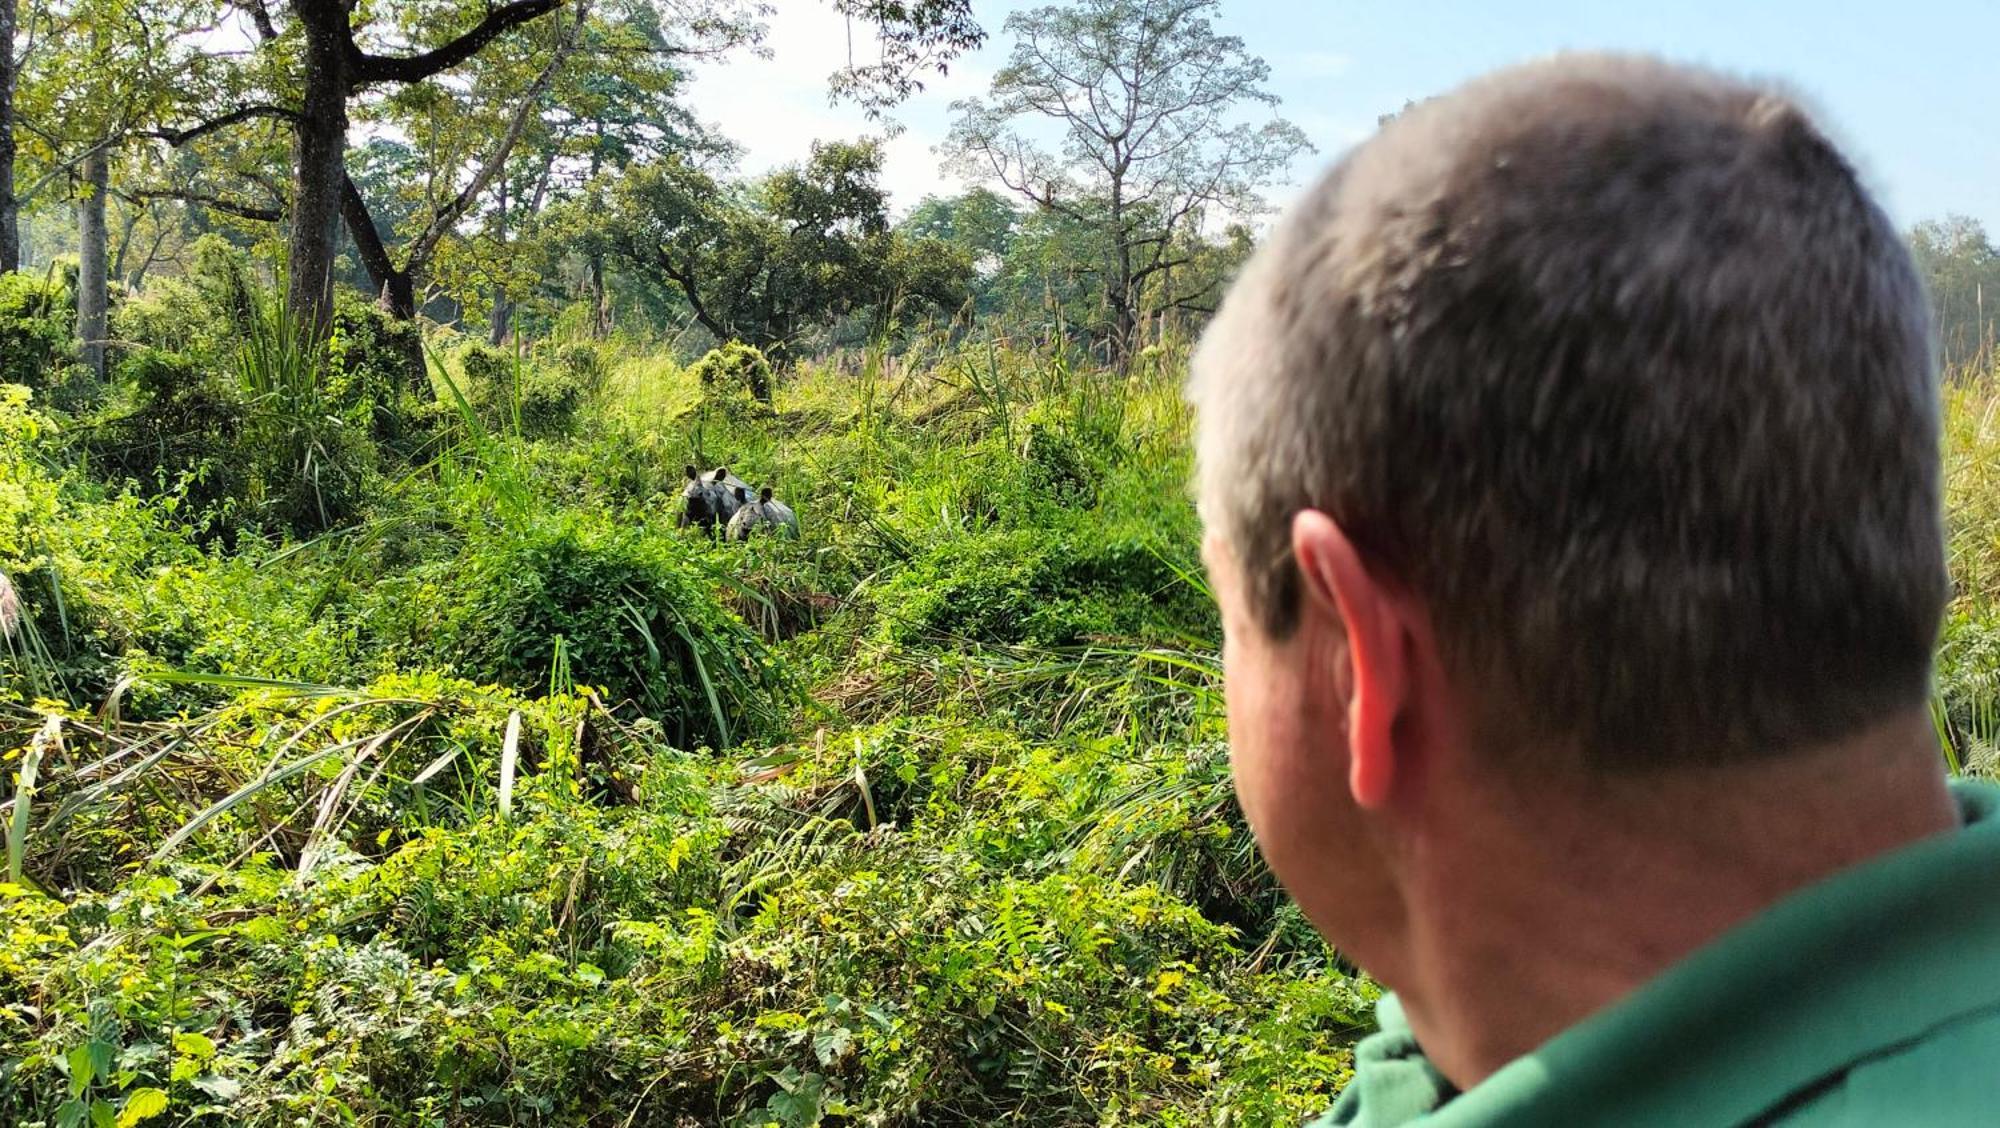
774, 108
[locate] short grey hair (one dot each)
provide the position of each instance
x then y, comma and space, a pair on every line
1617, 365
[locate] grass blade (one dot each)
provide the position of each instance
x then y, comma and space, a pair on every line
24, 793
510, 752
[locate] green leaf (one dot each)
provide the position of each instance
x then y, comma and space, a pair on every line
829, 1046
221, 1088
102, 1054
82, 1069
142, 1105
194, 1045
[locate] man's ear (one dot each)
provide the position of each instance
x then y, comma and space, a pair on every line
1337, 579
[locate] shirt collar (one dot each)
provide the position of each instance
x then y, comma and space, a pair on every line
1858, 963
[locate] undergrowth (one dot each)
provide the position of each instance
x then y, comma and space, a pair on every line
420, 770
489, 796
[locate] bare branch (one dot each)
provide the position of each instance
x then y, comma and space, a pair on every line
415, 68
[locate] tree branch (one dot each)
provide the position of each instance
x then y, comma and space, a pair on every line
260, 16
179, 137
367, 241
416, 68
448, 215
214, 203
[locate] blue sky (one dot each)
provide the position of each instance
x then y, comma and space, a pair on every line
1909, 87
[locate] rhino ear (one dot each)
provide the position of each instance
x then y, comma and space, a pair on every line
742, 493
721, 472
766, 495
692, 476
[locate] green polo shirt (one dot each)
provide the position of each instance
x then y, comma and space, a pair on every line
1870, 998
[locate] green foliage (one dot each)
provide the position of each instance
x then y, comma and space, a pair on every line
37, 330
310, 454
1033, 587
378, 362
773, 262
963, 849
182, 437
518, 395
1961, 269
621, 605
732, 367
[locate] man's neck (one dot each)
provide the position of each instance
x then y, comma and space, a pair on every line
1514, 937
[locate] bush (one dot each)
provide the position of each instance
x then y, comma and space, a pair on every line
510, 393
1032, 587
378, 362
173, 316
732, 367
489, 373
182, 438
622, 609
549, 403
1058, 467
37, 331
584, 364
221, 274
202, 314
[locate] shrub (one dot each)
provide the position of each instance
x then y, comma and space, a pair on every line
172, 315
182, 438
373, 349
309, 455
511, 394
1058, 468
221, 273
623, 610
732, 367
548, 403
37, 330
584, 364
1030, 587
489, 373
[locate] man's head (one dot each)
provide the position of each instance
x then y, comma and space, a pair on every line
1582, 420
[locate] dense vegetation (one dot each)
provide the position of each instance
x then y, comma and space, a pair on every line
386, 762
392, 762
380, 747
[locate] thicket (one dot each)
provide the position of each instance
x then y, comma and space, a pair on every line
486, 795
474, 791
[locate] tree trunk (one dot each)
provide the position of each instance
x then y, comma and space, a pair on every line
399, 299
502, 314
600, 320
92, 292
322, 163
128, 225
1124, 314
10, 211
399, 295
498, 331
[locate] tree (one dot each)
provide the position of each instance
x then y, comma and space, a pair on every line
981, 223
766, 262
97, 71
1147, 98
911, 37
10, 212
1962, 271
333, 52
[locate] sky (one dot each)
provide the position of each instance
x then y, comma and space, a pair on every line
1908, 87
